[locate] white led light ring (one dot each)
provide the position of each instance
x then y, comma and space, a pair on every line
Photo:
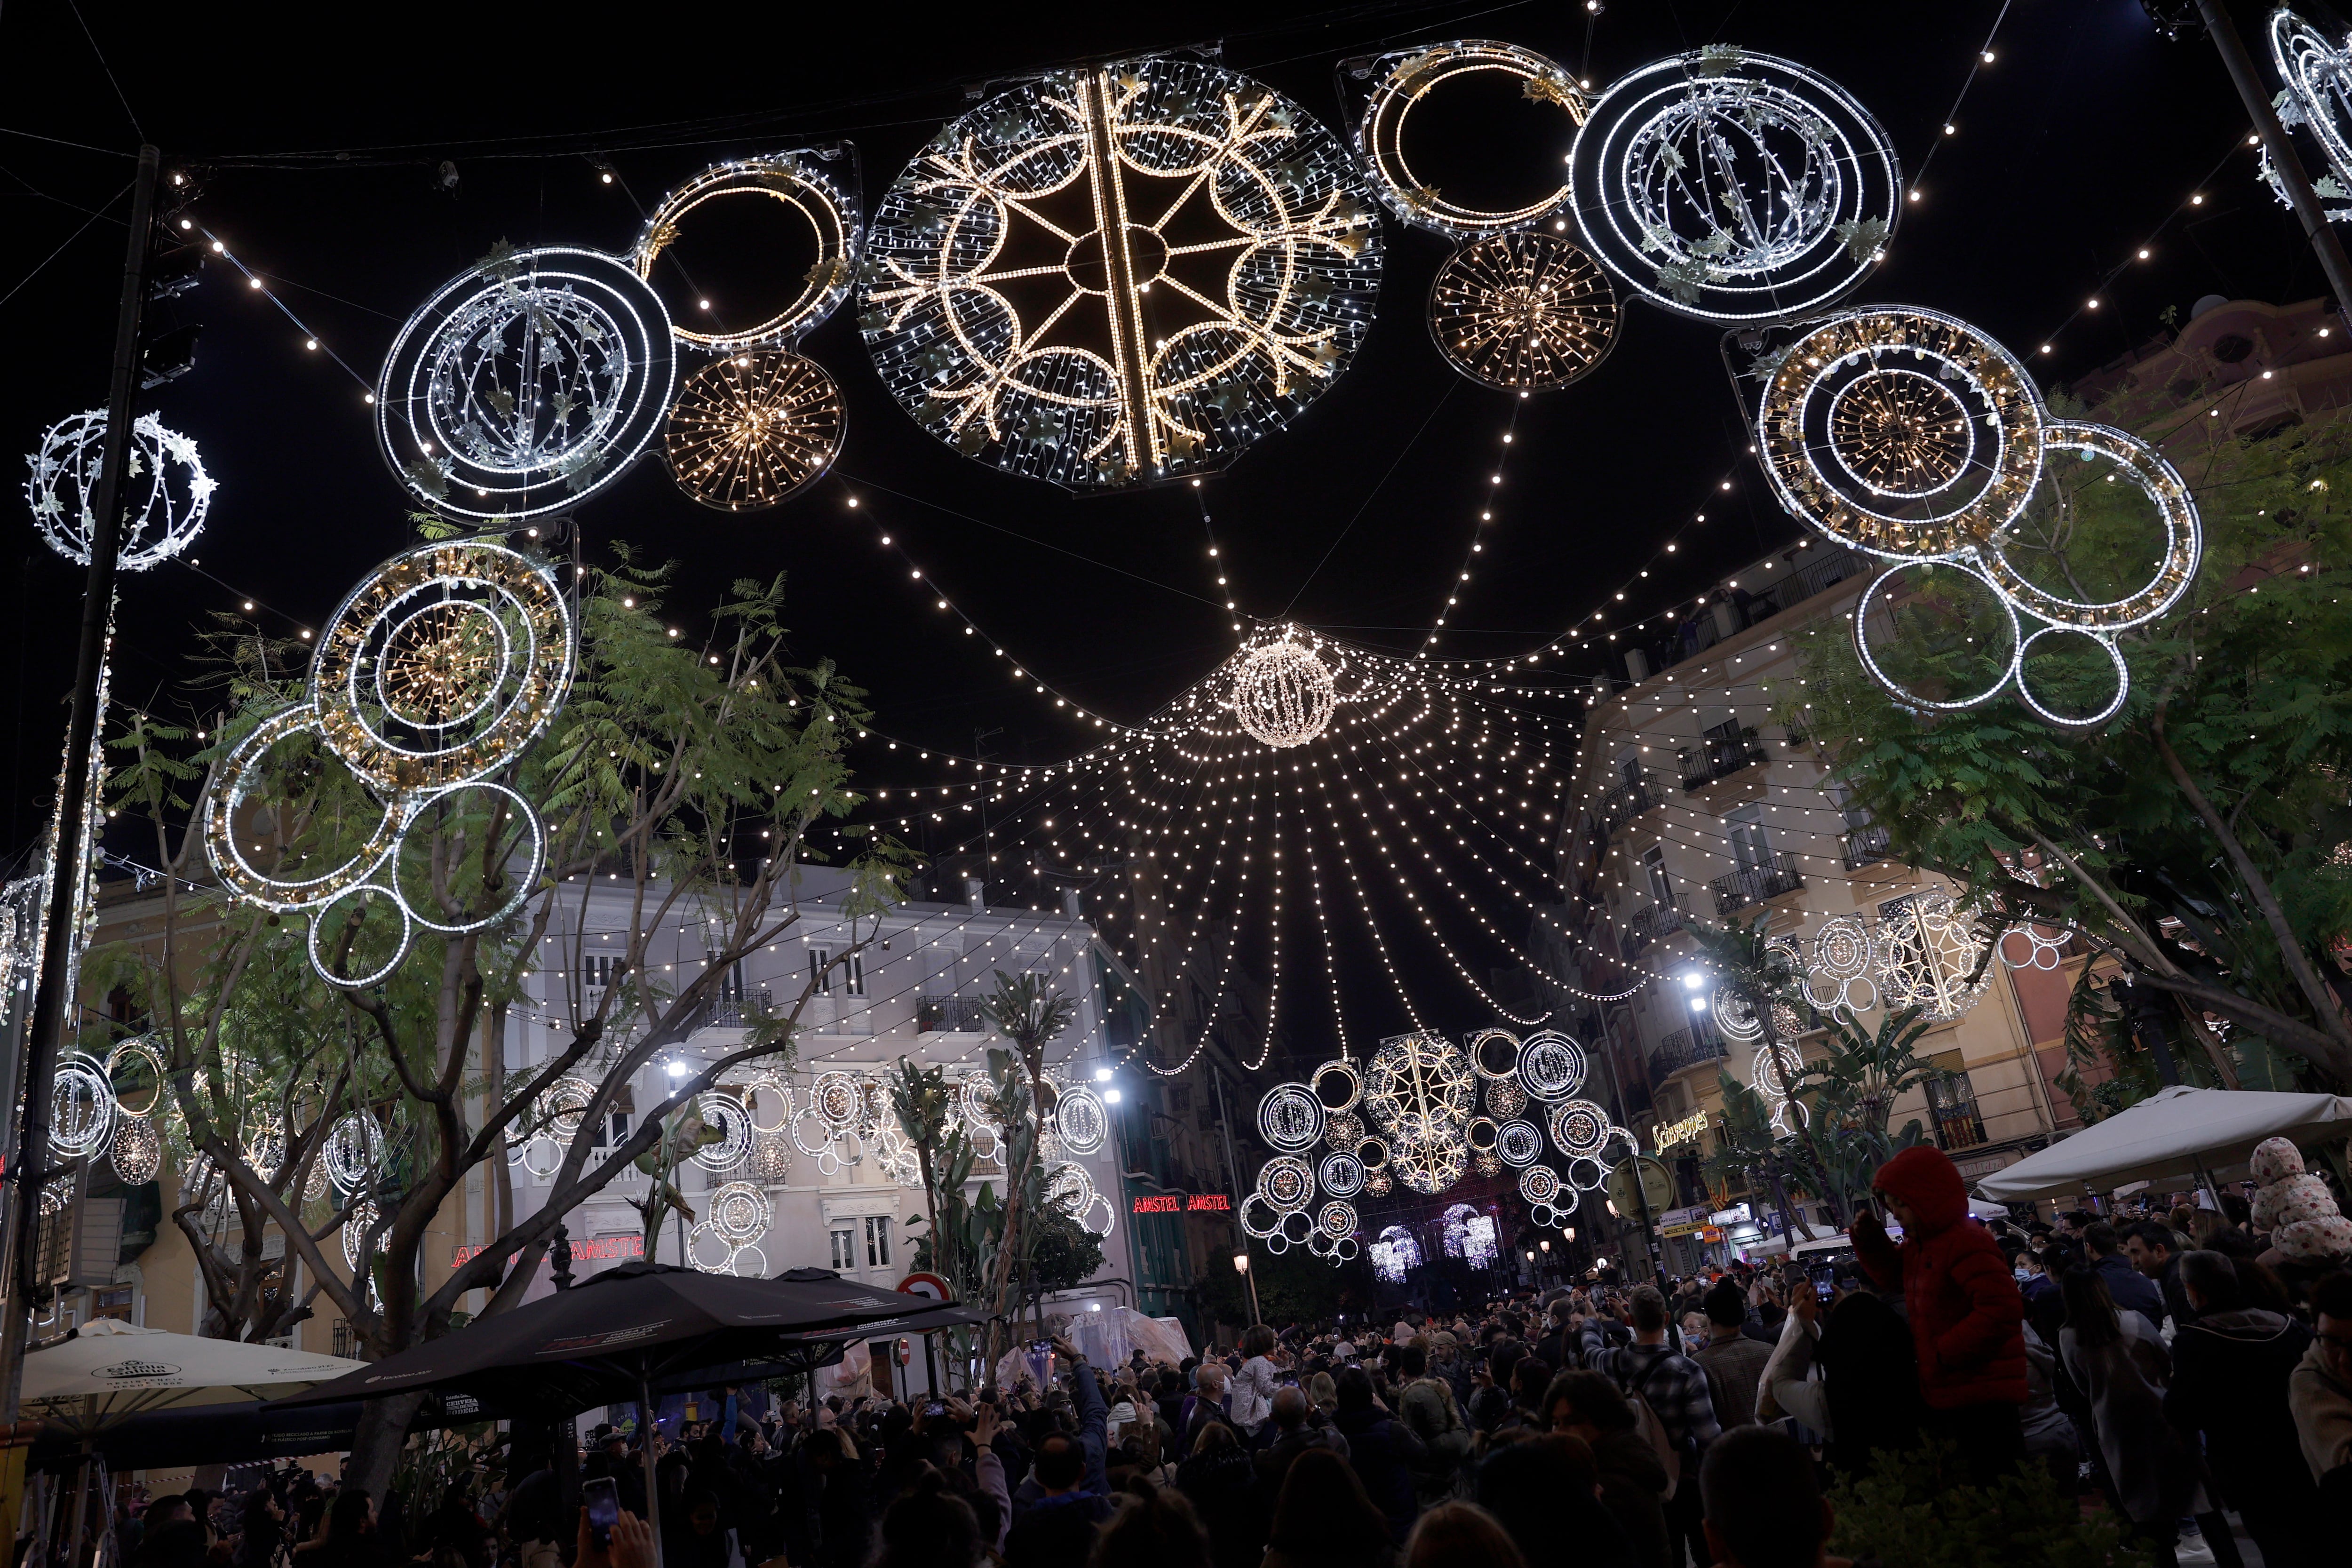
319, 921
1478, 1134
264, 1150
1070, 1180
1406, 78
739, 1212
563, 1106
1339, 1080
81, 1106
1579, 1127
1290, 1118
1808, 178
807, 1117
1347, 1249
237, 776
1109, 1217
1519, 1143
1336, 1220
804, 186
1551, 1066
1850, 414
770, 1094
727, 1113
1341, 1176
1791, 1064
1844, 955
974, 1094
836, 1099
542, 1157
1544, 1216
1287, 1182
164, 496
1080, 1119
353, 1150
2183, 537
1296, 1226
1735, 1015
1585, 1174
139, 1047
748, 1263
2069, 720
2042, 953
1494, 1054
707, 1249
526, 383
1809, 455
1276, 1243
519, 884
356, 1225
1525, 312
1538, 1184
1862, 611
1259, 1218
2318, 78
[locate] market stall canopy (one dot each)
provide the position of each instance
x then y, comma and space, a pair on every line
107, 1371
606, 1339
2167, 1137
799, 1354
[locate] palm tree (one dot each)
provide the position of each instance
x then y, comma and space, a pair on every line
1029, 1016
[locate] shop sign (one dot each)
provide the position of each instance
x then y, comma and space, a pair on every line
1184, 1202
1686, 1130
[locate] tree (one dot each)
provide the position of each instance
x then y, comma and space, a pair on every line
1762, 976
2200, 840
690, 778
1029, 1016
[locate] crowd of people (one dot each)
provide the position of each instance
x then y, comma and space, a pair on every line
2171, 1361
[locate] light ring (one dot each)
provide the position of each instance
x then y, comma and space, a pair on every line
1586, 1175
1578, 1127
2318, 78
800, 182
520, 885
1263, 1220
1341, 1176
1080, 1119
237, 776
836, 1099
1551, 1066
1494, 1054
1406, 77
136, 1046
1341, 1077
1904, 694
1298, 1227
2050, 716
2183, 537
81, 1106
1519, 1143
1288, 1183
1290, 1118
382, 971
752, 430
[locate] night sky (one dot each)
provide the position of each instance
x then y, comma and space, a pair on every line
316, 142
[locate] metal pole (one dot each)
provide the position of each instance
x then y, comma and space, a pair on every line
2299, 192
646, 1457
53, 999
1234, 1175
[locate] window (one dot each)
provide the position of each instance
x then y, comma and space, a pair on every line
1629, 767
597, 969
1751, 847
877, 1241
113, 1302
342, 1338
853, 975
730, 986
819, 976
845, 1247
1653, 867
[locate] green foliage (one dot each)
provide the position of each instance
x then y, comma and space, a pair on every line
1918, 1510
1063, 1254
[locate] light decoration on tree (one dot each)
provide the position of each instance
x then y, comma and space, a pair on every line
2318, 78
819, 189
528, 383
1735, 1015
753, 429
1913, 436
1120, 274
1413, 81
1733, 187
1283, 694
165, 492
724, 1113
440, 669
1526, 312
137, 1153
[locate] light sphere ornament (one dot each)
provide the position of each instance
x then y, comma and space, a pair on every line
1551, 1066
1734, 186
1504, 1098
1518, 1144
1430, 1165
1377, 1184
1119, 274
818, 189
771, 1164
1344, 1131
1284, 694
753, 429
1487, 1163
1580, 1128
836, 1099
1539, 1183
165, 491
1336, 1219
1290, 1118
137, 1153
526, 383
1413, 83
1080, 1119
2318, 78
1341, 1176
1420, 1089
1526, 312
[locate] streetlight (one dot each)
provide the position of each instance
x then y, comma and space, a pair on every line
1240, 1266
1241, 1262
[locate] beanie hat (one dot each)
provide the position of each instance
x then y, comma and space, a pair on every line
2297, 1209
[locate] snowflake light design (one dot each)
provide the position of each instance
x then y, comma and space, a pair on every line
1120, 274
1524, 311
1930, 955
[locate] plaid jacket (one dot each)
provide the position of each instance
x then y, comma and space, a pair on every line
1674, 1385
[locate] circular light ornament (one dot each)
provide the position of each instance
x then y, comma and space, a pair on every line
1290, 1118
1298, 1228
740, 1213
81, 1106
1580, 1128
165, 491
1344, 1131
1586, 1175
1770, 1071
1284, 695
1430, 1165
1735, 1015
1377, 1184
2318, 78
353, 1150
753, 429
771, 1158
357, 1225
818, 189
1505, 1098
1069, 1182
707, 1250
1336, 1219
2039, 950
836, 1100
1341, 1176
1416, 80
137, 1153
1121, 273
137, 1048
1338, 1085
748, 1263
1931, 956
1544, 1216
1844, 958
1080, 1119
1420, 1088
1518, 1142
724, 1113
1732, 186
1494, 1054
770, 1096
1373, 1153
1551, 1066
528, 383
1538, 1184
1259, 1217
1287, 1182
563, 1106
1526, 312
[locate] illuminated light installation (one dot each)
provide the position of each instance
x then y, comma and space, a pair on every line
1287, 1183
736, 1216
1341, 1176
1121, 273
1913, 437
1413, 80
819, 188
1081, 1120
1394, 1254
1290, 1118
441, 668
1581, 1128
1551, 1066
1526, 312
2318, 78
1931, 956
528, 383
1337, 1087
1733, 187
1844, 960
753, 429
137, 1151
165, 490
1470, 1236
1283, 694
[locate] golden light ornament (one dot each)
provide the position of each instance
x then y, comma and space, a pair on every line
1504, 1098
1283, 694
137, 1153
1526, 312
1420, 82
753, 429
1931, 955
1419, 1088
1429, 1166
1120, 274
1344, 1131
1379, 1184
819, 188
1286, 1182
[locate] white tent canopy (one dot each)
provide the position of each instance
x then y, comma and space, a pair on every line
2167, 1137
106, 1370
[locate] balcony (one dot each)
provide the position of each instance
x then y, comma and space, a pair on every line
1756, 884
730, 1011
1647, 926
1719, 756
950, 1016
1630, 801
1866, 844
1689, 1048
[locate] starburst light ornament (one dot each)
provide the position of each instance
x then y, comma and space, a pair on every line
1420, 84
1526, 312
526, 383
1284, 694
1121, 273
753, 429
1734, 186
165, 490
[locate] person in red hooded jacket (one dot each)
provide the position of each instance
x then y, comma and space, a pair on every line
1967, 1316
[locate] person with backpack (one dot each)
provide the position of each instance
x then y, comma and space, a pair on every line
1671, 1408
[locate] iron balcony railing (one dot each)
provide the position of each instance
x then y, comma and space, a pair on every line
1720, 756
1737, 890
1630, 800
1686, 1049
1866, 845
1647, 925
950, 1016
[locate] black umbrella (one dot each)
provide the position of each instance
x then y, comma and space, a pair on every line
799, 1354
614, 1335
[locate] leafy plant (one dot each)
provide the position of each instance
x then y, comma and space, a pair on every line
1917, 1510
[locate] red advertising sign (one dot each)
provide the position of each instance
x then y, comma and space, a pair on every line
1184, 1203
582, 1249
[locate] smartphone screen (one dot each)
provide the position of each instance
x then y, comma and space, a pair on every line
603, 1498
